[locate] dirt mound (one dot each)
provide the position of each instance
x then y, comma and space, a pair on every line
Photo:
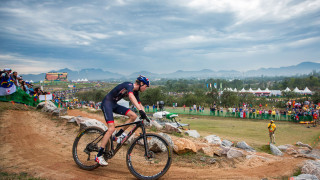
40, 145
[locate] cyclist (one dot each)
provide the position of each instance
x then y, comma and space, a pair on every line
109, 105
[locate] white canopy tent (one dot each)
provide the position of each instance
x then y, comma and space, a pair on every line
243, 90
307, 91
296, 90
287, 90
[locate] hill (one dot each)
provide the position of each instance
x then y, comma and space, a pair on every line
99, 74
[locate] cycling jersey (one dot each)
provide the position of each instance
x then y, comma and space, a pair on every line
121, 91
109, 103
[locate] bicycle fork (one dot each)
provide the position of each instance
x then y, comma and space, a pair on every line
146, 148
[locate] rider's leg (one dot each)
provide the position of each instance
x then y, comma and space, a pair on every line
132, 117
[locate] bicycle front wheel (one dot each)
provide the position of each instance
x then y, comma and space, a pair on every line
154, 166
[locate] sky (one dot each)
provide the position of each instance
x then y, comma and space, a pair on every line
159, 36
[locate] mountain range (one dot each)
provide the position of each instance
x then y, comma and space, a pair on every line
99, 74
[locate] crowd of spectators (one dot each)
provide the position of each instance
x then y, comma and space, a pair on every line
294, 110
7, 75
66, 99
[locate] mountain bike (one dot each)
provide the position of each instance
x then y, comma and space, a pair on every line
149, 156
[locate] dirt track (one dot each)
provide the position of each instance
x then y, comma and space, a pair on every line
34, 143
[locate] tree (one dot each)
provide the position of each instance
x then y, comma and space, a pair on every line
152, 95
229, 98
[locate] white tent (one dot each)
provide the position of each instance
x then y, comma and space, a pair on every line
296, 90
250, 90
235, 90
287, 90
275, 92
258, 91
307, 91
243, 90
266, 91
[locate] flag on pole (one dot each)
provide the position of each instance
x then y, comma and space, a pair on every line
207, 85
7, 86
215, 85
210, 85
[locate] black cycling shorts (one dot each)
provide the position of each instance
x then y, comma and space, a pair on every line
109, 107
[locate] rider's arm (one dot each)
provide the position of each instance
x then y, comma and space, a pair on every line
134, 101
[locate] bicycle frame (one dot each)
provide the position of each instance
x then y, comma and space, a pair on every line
139, 124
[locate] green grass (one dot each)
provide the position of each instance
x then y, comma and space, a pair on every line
20, 176
253, 132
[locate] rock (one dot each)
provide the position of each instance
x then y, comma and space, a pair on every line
203, 159
226, 143
243, 145
311, 167
213, 139
156, 125
285, 147
156, 145
217, 150
291, 151
207, 151
193, 133
224, 150
67, 117
304, 145
234, 153
275, 151
304, 156
80, 119
168, 138
170, 128
131, 139
304, 150
183, 145
212, 161
47, 106
93, 122
59, 112
200, 145
305, 177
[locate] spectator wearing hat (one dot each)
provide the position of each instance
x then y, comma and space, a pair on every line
5, 75
272, 129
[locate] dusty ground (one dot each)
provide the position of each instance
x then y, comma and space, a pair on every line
34, 143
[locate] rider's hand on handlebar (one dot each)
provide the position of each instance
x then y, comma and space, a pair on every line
143, 114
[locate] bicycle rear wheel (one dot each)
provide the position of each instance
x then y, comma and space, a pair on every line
86, 146
153, 167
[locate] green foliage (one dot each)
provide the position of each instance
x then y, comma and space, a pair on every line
152, 95
316, 97
94, 95
297, 172
265, 148
229, 98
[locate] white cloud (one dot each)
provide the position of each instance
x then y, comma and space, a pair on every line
252, 10
30, 65
304, 42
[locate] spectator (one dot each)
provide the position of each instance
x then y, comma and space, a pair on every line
272, 130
